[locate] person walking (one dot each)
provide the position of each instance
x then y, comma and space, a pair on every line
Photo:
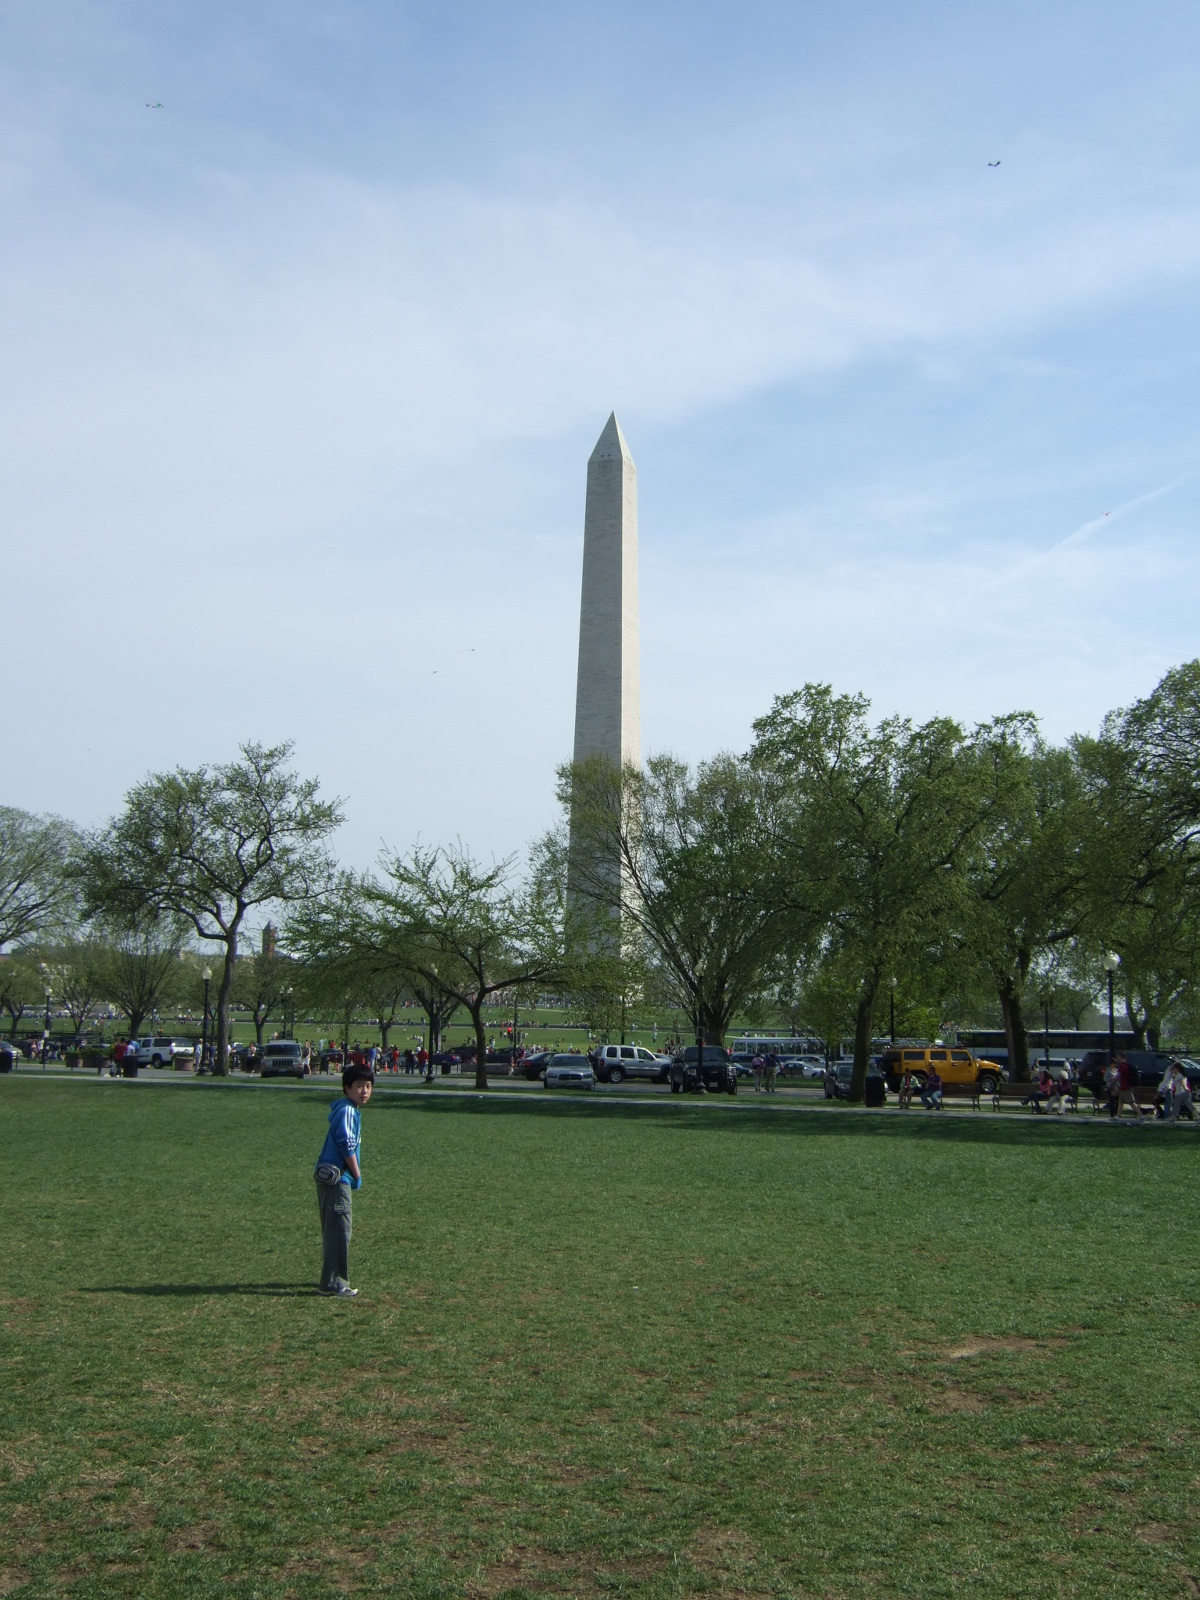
337, 1173
1126, 1084
1181, 1095
1167, 1090
756, 1067
770, 1072
1112, 1086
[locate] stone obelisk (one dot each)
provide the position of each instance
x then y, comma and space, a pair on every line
607, 694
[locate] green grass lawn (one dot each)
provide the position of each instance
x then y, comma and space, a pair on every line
601, 1350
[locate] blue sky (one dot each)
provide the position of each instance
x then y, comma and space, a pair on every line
299, 375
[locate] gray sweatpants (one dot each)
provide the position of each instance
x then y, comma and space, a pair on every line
333, 1201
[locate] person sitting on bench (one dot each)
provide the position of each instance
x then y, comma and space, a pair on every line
931, 1094
907, 1085
1048, 1092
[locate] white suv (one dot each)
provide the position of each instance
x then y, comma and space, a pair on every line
159, 1051
614, 1063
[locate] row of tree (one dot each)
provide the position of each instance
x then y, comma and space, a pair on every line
140, 973
836, 871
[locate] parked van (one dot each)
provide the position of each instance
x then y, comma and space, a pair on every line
954, 1065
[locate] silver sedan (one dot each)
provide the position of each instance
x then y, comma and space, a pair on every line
569, 1072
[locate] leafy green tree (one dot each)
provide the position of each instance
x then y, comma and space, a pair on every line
76, 971
469, 930
685, 861
876, 826
260, 985
210, 845
36, 890
22, 986
364, 950
138, 966
1141, 848
1024, 873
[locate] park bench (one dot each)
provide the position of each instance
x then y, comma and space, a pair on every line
953, 1091
1146, 1095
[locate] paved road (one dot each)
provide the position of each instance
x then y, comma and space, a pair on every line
785, 1101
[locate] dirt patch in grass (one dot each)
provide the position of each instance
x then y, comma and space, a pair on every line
948, 1402
533, 1569
1155, 1533
1013, 1342
721, 1551
197, 1536
11, 1578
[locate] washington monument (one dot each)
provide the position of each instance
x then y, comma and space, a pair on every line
607, 693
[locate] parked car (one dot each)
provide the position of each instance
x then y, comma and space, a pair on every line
569, 1072
534, 1066
953, 1064
282, 1058
613, 1063
713, 1071
8, 1057
158, 1051
837, 1079
331, 1058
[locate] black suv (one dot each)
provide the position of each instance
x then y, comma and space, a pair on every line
714, 1072
1149, 1065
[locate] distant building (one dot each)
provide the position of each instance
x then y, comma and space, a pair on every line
269, 936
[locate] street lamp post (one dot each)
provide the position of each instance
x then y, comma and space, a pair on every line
288, 1016
206, 974
892, 1012
46, 1032
1111, 962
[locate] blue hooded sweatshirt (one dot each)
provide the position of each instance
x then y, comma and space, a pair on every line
343, 1139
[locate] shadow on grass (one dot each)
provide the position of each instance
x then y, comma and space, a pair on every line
816, 1122
279, 1291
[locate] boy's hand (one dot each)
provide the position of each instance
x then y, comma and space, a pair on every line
356, 1183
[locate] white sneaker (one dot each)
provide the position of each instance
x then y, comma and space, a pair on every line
343, 1292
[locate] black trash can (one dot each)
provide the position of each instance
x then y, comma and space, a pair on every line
873, 1092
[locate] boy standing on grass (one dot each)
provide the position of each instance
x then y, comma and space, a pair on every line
337, 1173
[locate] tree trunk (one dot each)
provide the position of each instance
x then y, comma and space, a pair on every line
384, 1029
1138, 1023
714, 1021
221, 1065
259, 1024
1153, 1030
864, 1018
136, 1018
1014, 1031
481, 1081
